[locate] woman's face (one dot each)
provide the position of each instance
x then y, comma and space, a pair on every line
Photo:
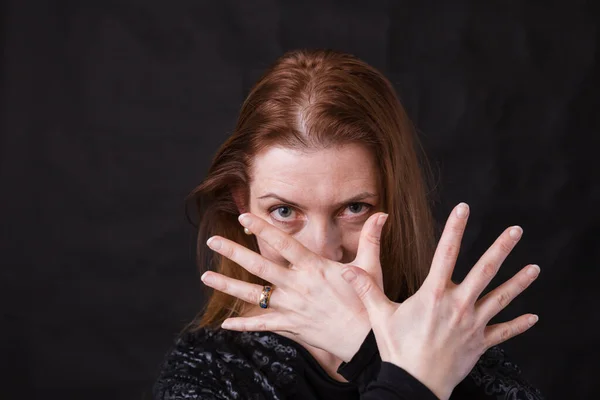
322, 197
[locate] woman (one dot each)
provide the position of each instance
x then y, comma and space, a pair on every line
313, 209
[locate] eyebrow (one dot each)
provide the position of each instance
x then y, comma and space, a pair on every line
354, 199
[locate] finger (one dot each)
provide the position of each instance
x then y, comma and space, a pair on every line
498, 333
250, 261
249, 292
448, 247
371, 295
369, 243
495, 301
488, 265
283, 243
265, 322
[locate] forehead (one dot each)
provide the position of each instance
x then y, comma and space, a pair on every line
322, 175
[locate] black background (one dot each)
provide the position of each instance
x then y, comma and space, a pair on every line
111, 111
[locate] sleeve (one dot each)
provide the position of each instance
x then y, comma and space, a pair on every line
495, 377
364, 366
394, 383
381, 380
184, 374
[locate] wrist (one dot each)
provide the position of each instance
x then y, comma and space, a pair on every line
354, 341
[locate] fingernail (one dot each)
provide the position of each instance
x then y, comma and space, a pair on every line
244, 219
349, 275
206, 278
381, 220
533, 319
533, 270
516, 232
226, 324
213, 243
462, 210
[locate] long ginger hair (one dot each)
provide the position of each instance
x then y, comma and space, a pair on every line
310, 100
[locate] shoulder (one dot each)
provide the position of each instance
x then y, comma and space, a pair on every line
495, 376
220, 364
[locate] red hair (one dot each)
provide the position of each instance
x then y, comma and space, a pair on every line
317, 99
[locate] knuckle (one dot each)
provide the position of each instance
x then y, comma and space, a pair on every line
229, 251
259, 268
374, 239
505, 246
437, 293
261, 326
473, 330
462, 308
304, 291
224, 286
523, 284
524, 326
503, 299
282, 244
488, 270
363, 287
320, 272
451, 250
506, 333
303, 285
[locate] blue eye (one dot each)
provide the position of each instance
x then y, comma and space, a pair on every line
284, 212
356, 208
286, 217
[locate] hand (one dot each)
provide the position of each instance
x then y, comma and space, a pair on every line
311, 301
439, 333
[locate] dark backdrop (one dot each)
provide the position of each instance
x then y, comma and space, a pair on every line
111, 111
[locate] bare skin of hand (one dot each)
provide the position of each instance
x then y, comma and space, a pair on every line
439, 333
310, 301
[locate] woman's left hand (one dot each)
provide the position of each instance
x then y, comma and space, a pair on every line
310, 300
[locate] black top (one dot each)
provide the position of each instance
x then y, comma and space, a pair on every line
222, 364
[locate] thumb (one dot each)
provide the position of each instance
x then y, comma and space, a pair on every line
365, 287
369, 243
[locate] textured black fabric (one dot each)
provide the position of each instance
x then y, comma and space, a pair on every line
221, 364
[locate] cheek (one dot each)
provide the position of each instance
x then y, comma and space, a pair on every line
350, 239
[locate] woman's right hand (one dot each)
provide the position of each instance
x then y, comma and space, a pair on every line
439, 333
